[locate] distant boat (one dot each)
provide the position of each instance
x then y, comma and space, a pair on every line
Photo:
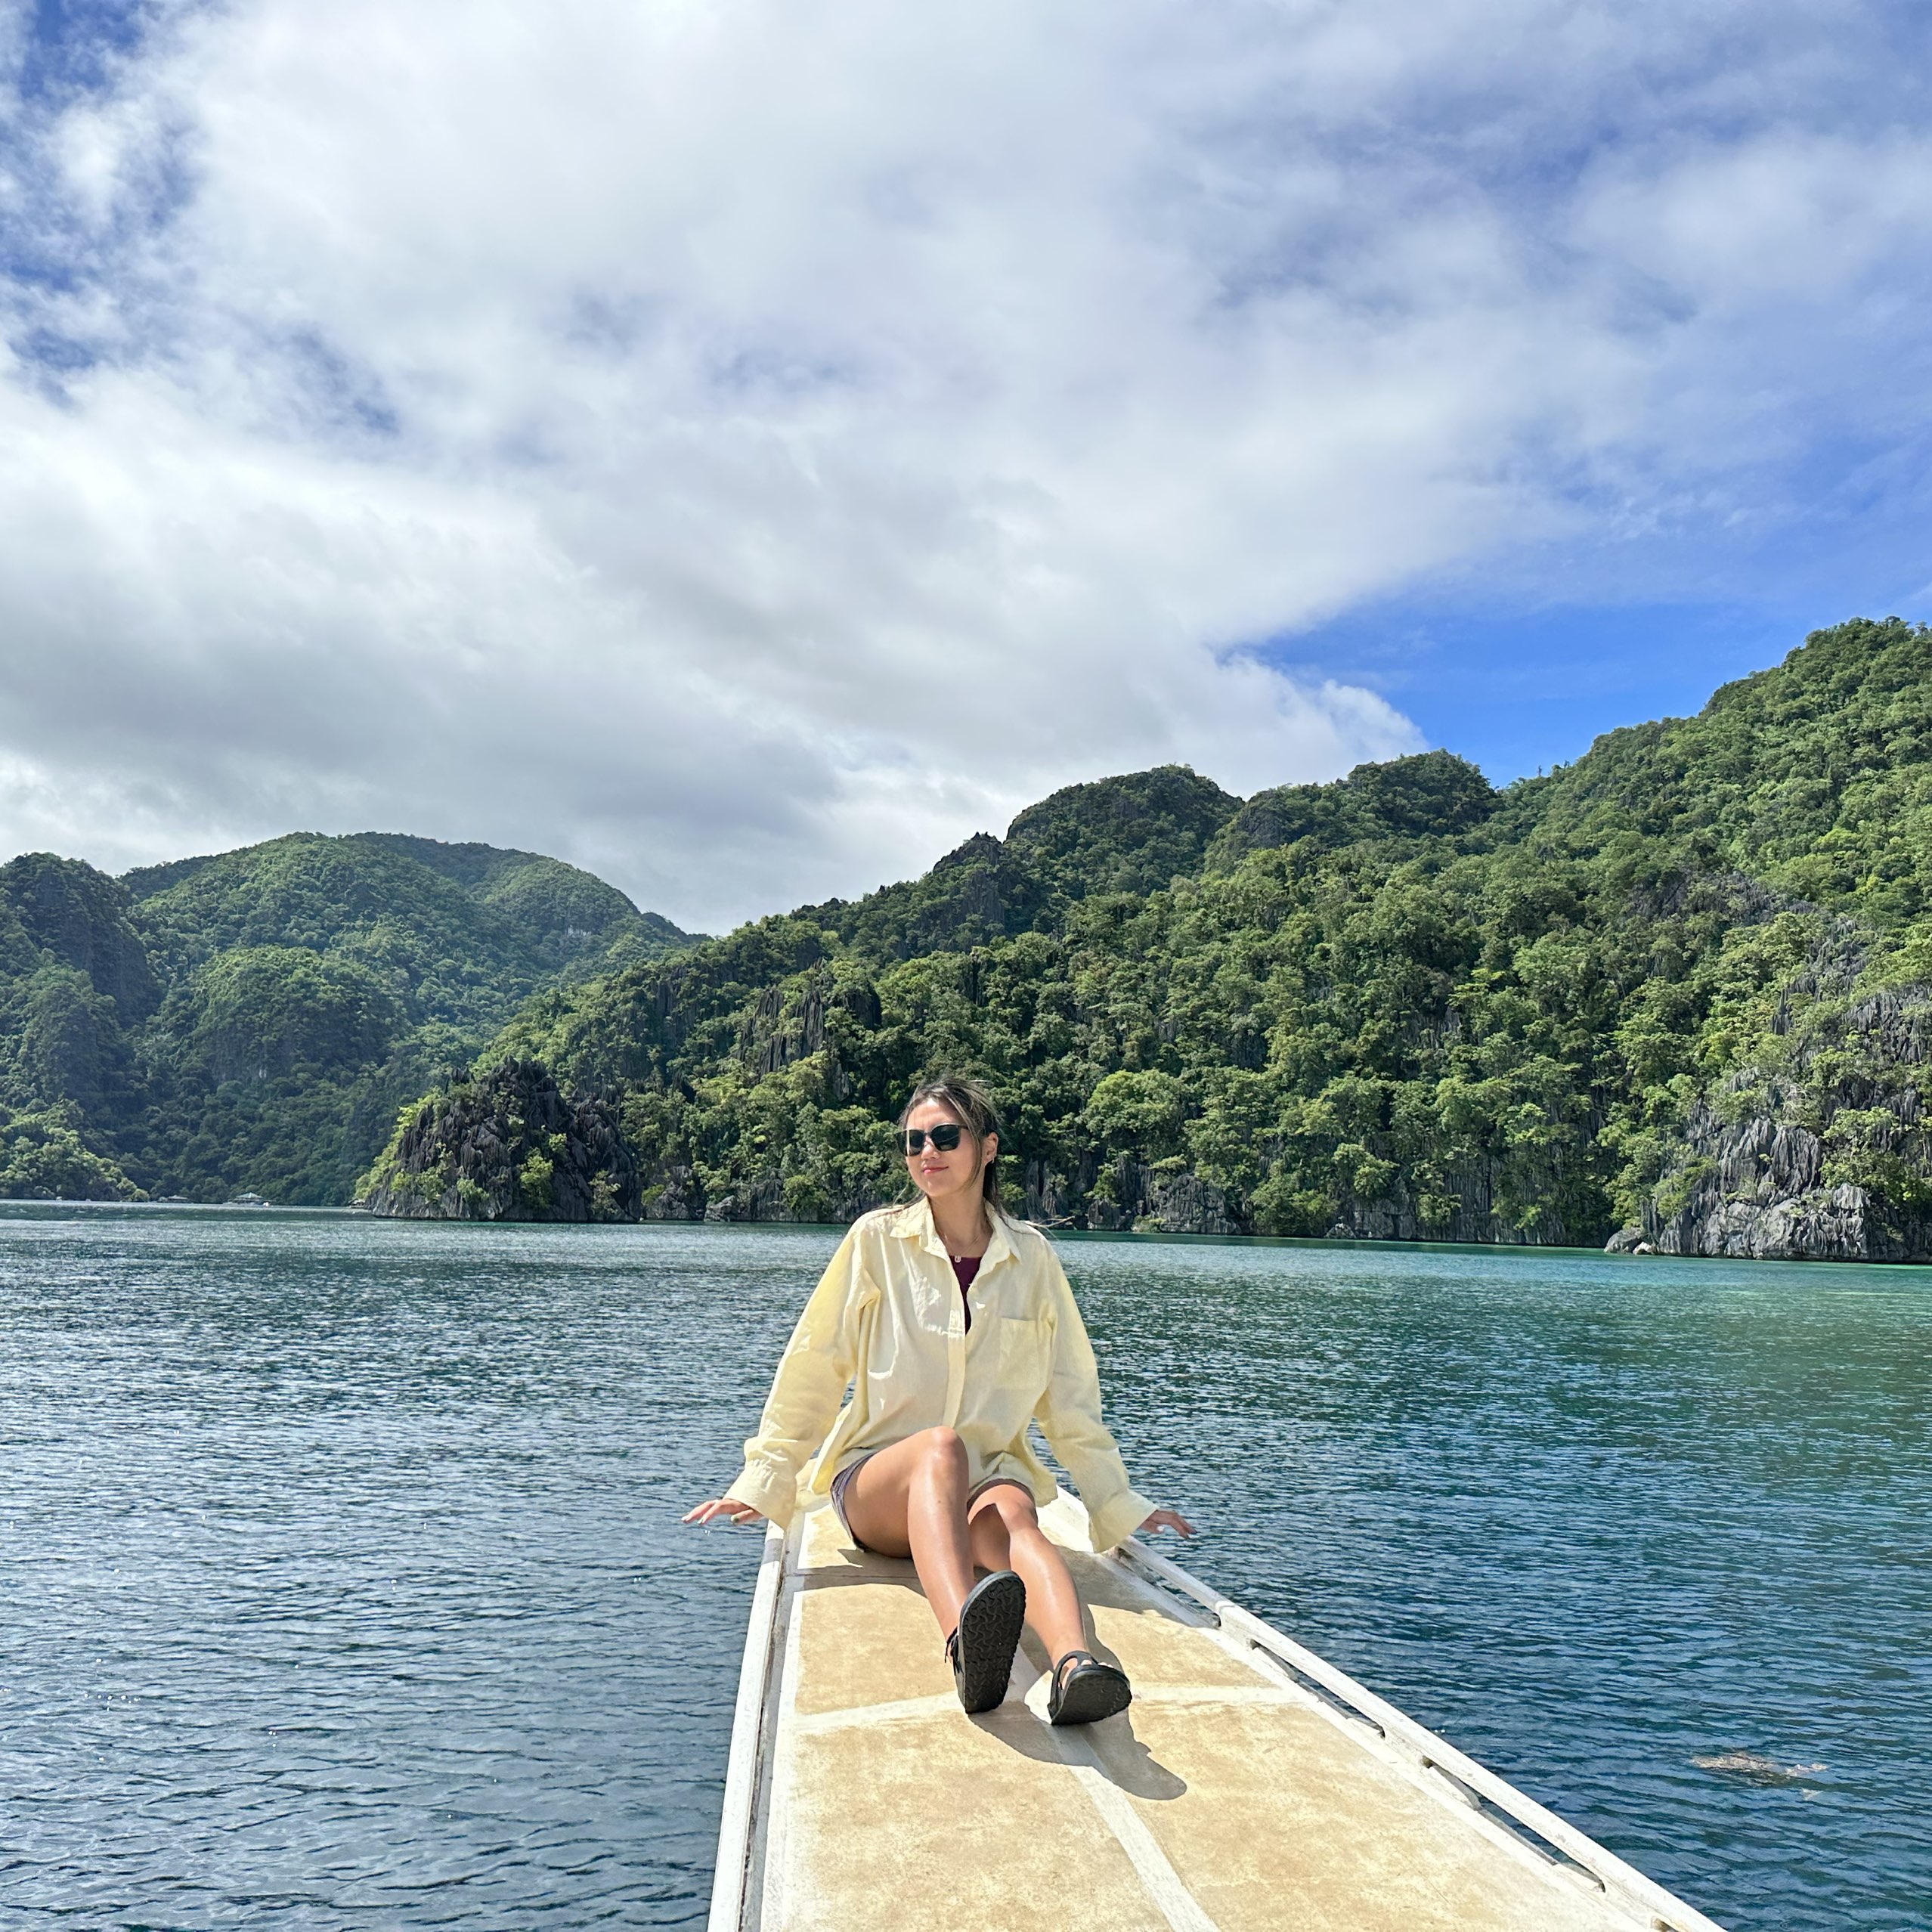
1251, 1785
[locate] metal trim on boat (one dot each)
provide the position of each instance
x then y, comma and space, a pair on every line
1646, 1901
751, 1728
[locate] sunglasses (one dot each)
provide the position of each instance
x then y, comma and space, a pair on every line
944, 1137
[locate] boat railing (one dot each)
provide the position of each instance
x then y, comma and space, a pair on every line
749, 1743
1494, 1800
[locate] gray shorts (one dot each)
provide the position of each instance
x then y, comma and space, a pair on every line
840, 1481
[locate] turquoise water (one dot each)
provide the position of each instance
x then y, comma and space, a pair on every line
344, 1586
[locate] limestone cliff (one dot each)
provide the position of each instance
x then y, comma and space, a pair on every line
1167, 1198
1831, 1171
506, 1146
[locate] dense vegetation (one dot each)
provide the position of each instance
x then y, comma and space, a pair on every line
254, 1020
1689, 966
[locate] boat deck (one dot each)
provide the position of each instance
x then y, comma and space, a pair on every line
1251, 1785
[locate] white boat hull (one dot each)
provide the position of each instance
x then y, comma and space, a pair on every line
1250, 1785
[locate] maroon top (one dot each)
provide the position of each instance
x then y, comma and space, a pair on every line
965, 1267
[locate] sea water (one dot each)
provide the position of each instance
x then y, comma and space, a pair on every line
344, 1586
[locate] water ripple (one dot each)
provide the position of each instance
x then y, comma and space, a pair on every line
345, 1585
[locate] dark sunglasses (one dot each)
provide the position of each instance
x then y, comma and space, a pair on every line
944, 1137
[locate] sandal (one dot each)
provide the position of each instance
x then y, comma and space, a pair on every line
1089, 1691
980, 1648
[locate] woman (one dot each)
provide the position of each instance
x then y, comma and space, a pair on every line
954, 1325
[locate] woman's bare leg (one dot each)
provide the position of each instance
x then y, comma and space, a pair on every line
1006, 1534
910, 1501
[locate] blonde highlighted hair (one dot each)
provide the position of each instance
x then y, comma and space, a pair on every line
972, 1106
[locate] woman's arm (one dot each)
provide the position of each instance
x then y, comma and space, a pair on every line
1069, 1414
812, 1376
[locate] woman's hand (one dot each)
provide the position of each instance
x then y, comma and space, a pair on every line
1167, 1519
722, 1506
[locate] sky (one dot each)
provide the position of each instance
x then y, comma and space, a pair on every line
746, 447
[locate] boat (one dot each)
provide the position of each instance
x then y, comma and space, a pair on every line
1251, 1785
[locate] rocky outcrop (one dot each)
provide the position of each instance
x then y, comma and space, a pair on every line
1763, 1197
1126, 1193
1056, 1200
673, 1194
1849, 1186
1162, 1203
1475, 1213
507, 1147
1471, 1216
777, 1032
1842, 1223
761, 1199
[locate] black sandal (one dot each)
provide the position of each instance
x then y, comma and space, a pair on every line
1089, 1691
980, 1648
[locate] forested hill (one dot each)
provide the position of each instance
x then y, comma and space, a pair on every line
252, 1020
1677, 989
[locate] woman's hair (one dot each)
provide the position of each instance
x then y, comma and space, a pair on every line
972, 1106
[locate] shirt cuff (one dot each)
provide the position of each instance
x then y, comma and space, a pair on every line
772, 1492
1118, 1518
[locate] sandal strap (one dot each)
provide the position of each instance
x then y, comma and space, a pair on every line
1071, 1656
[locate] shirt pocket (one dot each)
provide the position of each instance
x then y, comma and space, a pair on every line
1025, 1350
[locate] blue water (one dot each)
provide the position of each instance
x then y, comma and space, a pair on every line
344, 1586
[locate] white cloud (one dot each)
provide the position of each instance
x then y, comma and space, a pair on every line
746, 447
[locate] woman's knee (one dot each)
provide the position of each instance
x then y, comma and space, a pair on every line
1015, 1507
1015, 1510
942, 1452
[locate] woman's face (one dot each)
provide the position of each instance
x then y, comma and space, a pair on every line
938, 1174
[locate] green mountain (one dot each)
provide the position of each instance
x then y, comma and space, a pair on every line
254, 1019
1677, 989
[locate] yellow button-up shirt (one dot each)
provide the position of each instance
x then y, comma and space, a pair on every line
886, 1319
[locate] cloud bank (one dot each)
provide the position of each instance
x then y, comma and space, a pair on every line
746, 447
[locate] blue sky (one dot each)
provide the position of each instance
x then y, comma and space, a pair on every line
67, 46
1517, 671
747, 449
1518, 691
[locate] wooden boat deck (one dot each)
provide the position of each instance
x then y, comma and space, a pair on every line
1250, 1786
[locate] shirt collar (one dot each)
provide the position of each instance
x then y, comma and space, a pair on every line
914, 1222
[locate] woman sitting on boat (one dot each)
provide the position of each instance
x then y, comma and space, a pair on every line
954, 1325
